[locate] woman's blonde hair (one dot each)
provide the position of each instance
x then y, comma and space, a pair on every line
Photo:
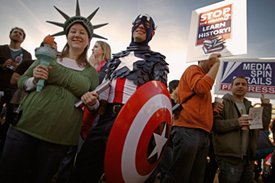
106, 55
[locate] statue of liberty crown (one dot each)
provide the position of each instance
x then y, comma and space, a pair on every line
77, 18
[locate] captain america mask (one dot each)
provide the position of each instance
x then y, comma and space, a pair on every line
148, 24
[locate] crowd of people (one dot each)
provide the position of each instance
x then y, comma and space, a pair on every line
46, 138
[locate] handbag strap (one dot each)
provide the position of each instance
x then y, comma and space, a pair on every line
175, 107
188, 98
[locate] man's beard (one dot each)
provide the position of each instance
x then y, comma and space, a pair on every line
15, 40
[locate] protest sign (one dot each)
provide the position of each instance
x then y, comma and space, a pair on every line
256, 115
259, 73
220, 27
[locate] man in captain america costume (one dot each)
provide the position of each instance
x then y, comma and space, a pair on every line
127, 71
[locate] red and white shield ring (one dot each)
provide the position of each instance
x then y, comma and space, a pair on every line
139, 135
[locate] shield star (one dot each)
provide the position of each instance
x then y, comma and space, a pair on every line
160, 142
128, 61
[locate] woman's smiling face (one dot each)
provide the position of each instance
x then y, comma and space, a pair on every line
78, 37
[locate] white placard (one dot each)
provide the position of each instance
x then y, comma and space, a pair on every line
256, 115
220, 27
259, 72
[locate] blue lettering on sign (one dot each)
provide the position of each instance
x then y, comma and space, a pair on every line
255, 72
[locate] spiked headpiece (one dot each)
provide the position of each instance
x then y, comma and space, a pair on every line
77, 19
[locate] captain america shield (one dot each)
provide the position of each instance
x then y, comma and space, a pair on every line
139, 135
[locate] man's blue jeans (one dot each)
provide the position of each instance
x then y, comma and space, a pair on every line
190, 149
235, 173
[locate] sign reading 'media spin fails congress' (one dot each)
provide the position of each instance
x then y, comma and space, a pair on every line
220, 27
259, 72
